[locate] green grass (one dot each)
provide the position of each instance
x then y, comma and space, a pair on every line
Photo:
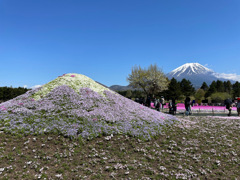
204, 148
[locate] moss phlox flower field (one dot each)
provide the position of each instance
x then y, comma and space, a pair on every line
76, 106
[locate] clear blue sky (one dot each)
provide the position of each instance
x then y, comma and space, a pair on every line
104, 39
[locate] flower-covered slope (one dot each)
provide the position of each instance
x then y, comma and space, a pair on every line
74, 105
75, 81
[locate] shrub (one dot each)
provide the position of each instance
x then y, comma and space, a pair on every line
219, 97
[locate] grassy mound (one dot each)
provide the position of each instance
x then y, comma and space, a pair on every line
76, 106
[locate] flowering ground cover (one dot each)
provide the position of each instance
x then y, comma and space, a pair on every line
73, 128
201, 108
74, 105
199, 148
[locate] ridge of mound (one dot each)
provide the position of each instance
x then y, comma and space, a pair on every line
80, 108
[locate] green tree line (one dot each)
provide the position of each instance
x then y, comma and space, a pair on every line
216, 92
7, 93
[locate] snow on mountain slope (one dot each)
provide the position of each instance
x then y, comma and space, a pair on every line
190, 69
198, 74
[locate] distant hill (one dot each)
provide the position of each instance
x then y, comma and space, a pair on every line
101, 84
121, 88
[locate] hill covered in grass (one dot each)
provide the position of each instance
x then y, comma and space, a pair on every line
76, 106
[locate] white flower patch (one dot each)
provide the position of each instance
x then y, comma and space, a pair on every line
58, 175
29, 162
218, 162
109, 137
162, 168
75, 81
2, 169
126, 173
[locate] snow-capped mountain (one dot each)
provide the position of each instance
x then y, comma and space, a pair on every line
194, 72
189, 69
198, 74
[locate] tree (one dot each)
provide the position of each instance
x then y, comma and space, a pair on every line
212, 89
204, 86
1, 94
219, 97
151, 80
186, 87
129, 94
199, 95
236, 89
174, 90
227, 86
138, 78
132, 93
219, 86
7, 93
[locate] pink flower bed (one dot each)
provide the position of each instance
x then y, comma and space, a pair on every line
181, 106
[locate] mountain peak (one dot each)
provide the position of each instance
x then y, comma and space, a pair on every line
190, 69
198, 74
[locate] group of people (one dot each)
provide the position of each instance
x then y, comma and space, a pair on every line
154, 103
173, 106
158, 104
229, 104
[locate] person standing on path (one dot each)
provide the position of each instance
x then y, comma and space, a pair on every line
162, 102
238, 106
172, 107
229, 104
187, 105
